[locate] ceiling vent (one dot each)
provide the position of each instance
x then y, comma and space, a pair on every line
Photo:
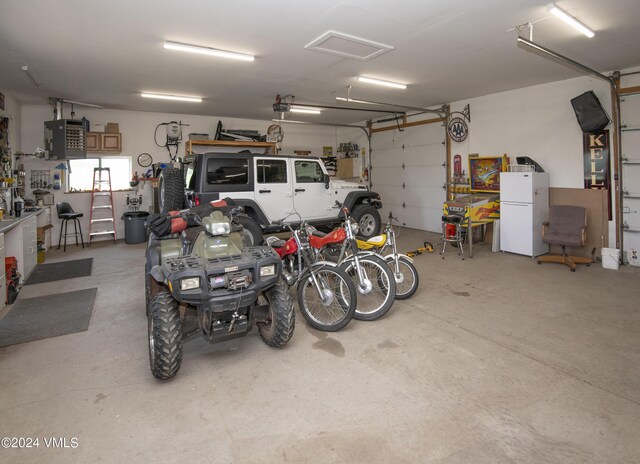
347, 46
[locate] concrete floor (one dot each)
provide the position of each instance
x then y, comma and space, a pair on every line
495, 360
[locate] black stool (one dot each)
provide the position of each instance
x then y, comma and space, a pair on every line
66, 214
452, 232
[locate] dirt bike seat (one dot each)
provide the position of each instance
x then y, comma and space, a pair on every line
335, 236
378, 240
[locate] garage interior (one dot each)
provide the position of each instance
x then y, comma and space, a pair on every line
494, 359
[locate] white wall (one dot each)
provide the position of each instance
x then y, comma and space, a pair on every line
137, 130
346, 135
538, 122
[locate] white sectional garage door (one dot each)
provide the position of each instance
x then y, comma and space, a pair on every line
408, 171
630, 115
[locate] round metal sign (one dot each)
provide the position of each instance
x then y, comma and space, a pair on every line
458, 129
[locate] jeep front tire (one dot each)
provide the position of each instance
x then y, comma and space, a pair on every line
368, 219
253, 229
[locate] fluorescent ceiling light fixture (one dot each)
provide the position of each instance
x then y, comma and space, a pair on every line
208, 51
570, 20
171, 97
304, 109
370, 80
353, 100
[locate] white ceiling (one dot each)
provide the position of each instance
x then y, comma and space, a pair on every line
107, 52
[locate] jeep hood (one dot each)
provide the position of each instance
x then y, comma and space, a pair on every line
344, 185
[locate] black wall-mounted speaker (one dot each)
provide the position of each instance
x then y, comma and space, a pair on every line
591, 116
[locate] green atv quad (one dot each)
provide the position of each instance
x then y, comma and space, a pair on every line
207, 280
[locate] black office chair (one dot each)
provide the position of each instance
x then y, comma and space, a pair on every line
66, 214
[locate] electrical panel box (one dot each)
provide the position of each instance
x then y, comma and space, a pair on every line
64, 139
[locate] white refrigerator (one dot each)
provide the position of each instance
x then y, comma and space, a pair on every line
524, 206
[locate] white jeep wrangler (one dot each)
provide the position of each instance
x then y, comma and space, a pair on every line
269, 187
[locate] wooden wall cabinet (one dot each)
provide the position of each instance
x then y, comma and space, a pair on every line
92, 141
103, 142
111, 142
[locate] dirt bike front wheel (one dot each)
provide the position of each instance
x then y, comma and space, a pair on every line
331, 304
406, 276
377, 294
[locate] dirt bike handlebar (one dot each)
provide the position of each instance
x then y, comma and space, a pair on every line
343, 209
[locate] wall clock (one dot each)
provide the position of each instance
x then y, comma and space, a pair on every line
145, 160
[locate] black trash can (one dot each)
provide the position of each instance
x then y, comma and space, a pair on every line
135, 230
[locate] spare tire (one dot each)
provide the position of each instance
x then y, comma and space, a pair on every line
170, 190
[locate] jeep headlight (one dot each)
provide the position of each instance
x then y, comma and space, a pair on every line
266, 271
189, 283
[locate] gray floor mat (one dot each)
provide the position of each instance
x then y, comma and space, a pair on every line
50, 272
47, 316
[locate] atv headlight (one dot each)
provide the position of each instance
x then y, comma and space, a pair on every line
269, 270
190, 283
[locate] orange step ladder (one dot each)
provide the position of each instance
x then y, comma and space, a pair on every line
102, 220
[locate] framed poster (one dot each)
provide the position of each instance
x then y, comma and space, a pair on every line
484, 173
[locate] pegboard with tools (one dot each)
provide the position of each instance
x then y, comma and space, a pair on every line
40, 179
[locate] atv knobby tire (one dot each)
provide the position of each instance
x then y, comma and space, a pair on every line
279, 329
165, 336
171, 190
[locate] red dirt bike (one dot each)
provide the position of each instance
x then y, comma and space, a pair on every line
326, 294
373, 278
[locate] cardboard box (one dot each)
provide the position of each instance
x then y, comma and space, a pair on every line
41, 231
112, 128
345, 168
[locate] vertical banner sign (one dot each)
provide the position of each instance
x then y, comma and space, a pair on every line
596, 161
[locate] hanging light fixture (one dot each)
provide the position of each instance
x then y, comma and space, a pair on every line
570, 20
